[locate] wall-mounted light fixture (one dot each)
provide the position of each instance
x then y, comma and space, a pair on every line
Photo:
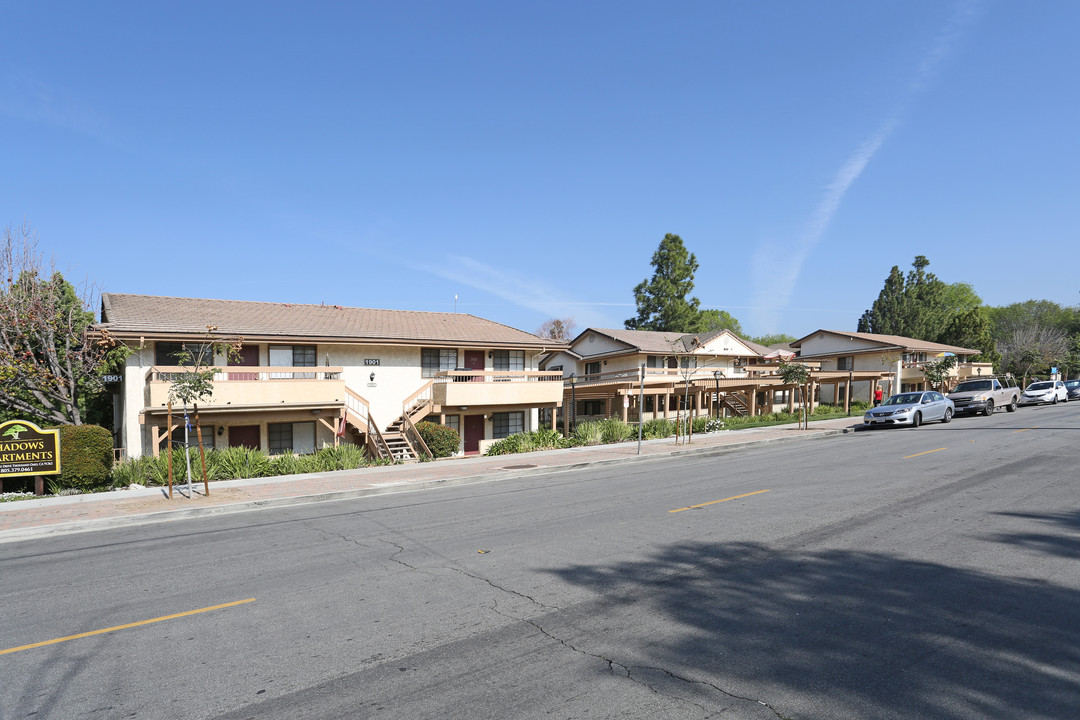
491, 353
371, 377
220, 430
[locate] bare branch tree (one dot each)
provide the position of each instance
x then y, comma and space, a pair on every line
561, 329
1032, 346
48, 361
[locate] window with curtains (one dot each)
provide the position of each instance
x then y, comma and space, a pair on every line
432, 360
508, 360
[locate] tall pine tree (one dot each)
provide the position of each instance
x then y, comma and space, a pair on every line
664, 303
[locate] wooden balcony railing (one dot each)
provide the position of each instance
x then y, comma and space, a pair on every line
243, 385
243, 373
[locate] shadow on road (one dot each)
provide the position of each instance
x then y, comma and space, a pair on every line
850, 634
1066, 544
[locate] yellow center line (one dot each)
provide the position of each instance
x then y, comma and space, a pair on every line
924, 453
1033, 427
713, 502
123, 627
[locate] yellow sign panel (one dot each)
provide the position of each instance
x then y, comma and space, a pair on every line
26, 449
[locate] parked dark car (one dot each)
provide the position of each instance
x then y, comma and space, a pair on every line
1073, 388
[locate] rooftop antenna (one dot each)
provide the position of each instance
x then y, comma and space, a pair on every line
455, 302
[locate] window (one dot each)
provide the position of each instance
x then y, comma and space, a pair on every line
434, 360
298, 438
592, 368
654, 361
845, 363
592, 407
171, 353
915, 357
292, 356
687, 363
508, 360
454, 421
507, 424
193, 437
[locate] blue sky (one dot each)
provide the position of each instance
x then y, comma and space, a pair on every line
529, 157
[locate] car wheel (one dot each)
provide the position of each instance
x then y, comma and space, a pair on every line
989, 408
948, 415
1054, 401
916, 420
1012, 406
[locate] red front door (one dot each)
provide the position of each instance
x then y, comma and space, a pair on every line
248, 357
474, 360
474, 433
244, 436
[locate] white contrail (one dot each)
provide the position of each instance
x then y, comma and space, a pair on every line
776, 269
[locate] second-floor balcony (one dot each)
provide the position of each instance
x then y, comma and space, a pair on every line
254, 386
497, 387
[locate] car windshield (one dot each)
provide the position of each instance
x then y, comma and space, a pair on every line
1072, 383
1040, 386
973, 386
904, 399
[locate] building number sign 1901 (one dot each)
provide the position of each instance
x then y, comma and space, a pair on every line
371, 361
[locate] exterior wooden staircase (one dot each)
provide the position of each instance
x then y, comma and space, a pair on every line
736, 402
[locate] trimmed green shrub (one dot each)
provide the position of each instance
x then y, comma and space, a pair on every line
442, 440
86, 456
658, 428
509, 445
614, 430
587, 433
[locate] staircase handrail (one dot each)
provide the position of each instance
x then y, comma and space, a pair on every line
420, 398
376, 440
413, 437
358, 406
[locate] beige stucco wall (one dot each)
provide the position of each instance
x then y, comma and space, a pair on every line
397, 376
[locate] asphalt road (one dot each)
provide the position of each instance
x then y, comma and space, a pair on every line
926, 573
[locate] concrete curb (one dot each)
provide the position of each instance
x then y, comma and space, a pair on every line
489, 475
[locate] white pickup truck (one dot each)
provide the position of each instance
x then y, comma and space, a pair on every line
984, 394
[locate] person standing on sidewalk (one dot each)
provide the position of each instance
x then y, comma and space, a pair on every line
877, 395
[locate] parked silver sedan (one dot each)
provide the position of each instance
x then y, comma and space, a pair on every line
911, 408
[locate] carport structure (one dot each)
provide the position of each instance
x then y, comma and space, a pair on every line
663, 392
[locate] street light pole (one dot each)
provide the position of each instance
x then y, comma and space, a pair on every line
641, 409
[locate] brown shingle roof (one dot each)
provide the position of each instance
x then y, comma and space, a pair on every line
894, 341
131, 315
660, 343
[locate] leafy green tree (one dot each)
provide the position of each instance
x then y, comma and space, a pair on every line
936, 372
712, 320
664, 303
774, 339
797, 374
971, 329
921, 306
49, 362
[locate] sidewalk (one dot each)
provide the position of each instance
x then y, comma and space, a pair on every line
27, 519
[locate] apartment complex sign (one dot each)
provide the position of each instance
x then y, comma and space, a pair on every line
26, 449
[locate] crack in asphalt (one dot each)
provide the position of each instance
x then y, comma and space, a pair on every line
626, 670
508, 591
613, 666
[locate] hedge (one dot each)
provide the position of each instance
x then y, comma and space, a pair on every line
86, 456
